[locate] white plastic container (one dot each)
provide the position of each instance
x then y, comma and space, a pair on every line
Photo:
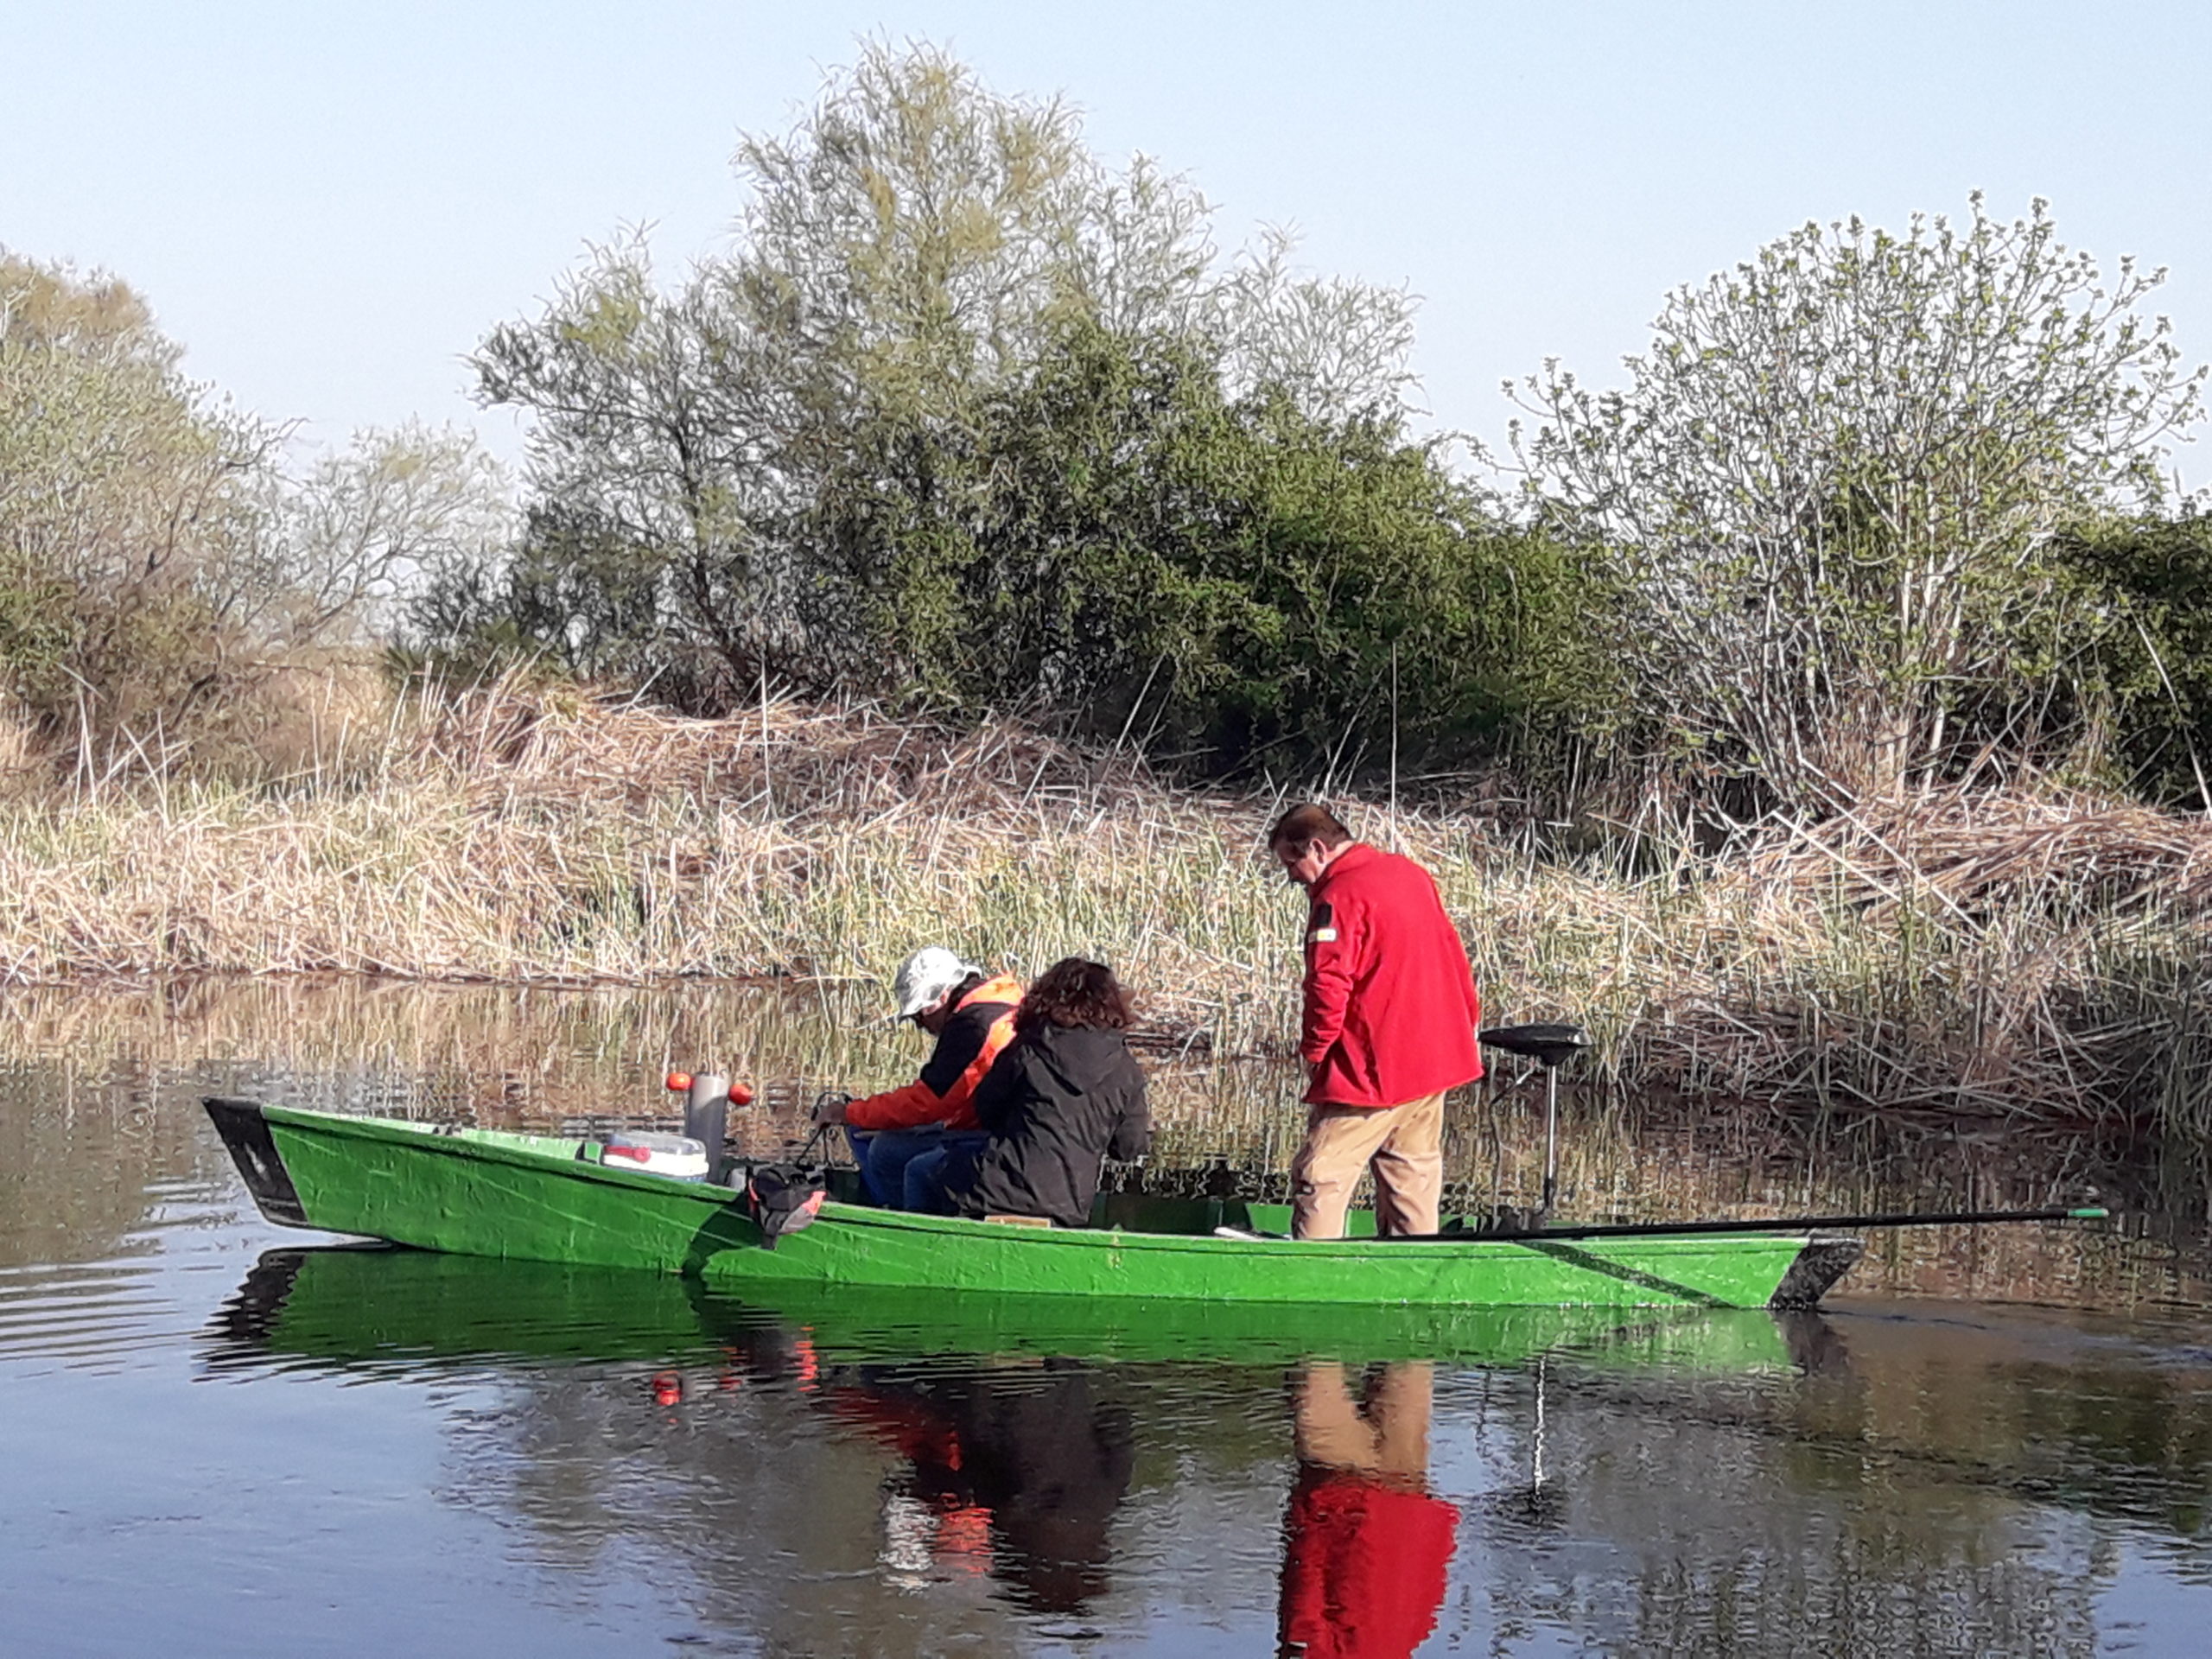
677, 1156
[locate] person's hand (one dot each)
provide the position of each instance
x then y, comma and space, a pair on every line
830, 1106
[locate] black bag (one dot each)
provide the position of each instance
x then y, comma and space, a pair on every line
783, 1199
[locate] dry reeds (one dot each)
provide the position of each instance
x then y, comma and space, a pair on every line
2019, 955
1974, 854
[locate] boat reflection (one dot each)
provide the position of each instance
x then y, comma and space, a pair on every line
378, 1306
1011, 1471
905, 1448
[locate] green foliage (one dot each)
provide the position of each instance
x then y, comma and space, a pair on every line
156, 567
971, 419
1231, 579
660, 463
1832, 484
35, 631
124, 503
2150, 582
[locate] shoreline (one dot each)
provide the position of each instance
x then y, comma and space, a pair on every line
2036, 959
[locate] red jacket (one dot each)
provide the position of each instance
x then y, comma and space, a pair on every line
982, 1025
1364, 1566
1390, 1003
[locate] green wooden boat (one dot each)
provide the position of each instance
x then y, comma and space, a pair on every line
491, 1194
370, 1309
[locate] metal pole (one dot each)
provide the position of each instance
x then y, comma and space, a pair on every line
1551, 1135
1536, 1487
705, 1117
1775, 1225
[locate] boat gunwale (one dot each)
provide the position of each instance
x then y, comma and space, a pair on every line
493, 1145
499, 1146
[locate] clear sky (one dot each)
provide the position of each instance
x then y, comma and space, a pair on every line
328, 205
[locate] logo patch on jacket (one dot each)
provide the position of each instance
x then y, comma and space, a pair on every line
1323, 931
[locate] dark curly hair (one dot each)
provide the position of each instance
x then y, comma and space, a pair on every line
1074, 991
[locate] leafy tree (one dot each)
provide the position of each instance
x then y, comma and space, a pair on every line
2149, 581
1231, 578
710, 466
155, 562
354, 529
122, 497
656, 475
1832, 484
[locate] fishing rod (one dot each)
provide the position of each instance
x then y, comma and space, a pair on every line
1771, 1224
1551, 1045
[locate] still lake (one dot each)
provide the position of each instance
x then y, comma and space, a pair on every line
217, 1436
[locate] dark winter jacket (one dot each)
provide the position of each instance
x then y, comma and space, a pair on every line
1060, 1098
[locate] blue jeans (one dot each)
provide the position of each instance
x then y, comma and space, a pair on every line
926, 1193
887, 1156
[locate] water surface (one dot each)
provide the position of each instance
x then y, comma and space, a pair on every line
222, 1437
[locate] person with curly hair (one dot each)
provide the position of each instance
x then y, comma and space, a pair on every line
1064, 1097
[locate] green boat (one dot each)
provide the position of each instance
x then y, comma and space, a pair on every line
489, 1192
370, 1309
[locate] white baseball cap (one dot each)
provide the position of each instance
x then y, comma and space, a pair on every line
924, 977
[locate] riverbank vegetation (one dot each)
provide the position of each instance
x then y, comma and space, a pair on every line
170, 575
969, 419
1995, 956
976, 551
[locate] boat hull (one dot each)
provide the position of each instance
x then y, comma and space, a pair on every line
371, 1308
482, 1192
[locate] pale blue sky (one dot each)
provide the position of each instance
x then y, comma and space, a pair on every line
330, 204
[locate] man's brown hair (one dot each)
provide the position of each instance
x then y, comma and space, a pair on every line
1303, 825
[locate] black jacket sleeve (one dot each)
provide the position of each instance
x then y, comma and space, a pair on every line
1001, 1087
1133, 1132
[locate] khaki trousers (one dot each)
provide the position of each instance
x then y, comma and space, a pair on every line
1404, 1145
1386, 1434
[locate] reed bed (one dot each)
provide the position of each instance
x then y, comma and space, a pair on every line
2029, 957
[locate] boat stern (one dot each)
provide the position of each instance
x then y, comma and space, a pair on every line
1823, 1260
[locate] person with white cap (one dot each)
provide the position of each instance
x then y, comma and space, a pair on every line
969, 1011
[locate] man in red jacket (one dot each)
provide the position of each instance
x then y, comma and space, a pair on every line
1388, 1027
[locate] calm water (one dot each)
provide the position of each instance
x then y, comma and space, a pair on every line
217, 1438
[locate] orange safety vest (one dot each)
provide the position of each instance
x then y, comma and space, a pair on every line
918, 1103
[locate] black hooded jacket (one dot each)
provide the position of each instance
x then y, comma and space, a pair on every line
1058, 1100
